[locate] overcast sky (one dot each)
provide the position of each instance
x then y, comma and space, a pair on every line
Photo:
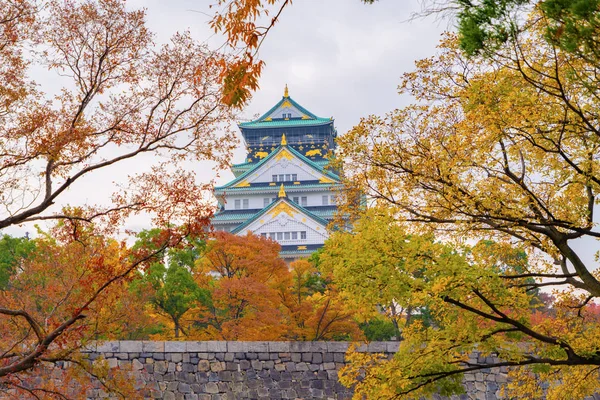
339, 58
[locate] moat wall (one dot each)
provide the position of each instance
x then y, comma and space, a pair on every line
253, 370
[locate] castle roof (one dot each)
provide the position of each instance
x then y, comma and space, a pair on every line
241, 180
276, 204
300, 116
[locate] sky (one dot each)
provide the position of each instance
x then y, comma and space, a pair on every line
339, 58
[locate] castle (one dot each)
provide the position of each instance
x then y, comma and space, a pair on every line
283, 190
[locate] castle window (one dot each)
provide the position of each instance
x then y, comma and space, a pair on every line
279, 235
281, 177
294, 177
296, 198
266, 202
238, 204
274, 178
303, 235
286, 235
263, 235
272, 235
245, 203
287, 177
304, 201
325, 200
294, 235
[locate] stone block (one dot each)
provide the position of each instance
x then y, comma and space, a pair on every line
175, 347
217, 366
263, 356
392, 347
301, 366
377, 347
237, 347
136, 365
300, 347
195, 347
337, 347
279, 367
108, 347
296, 357
130, 346
257, 365
306, 357
317, 358
279, 347
258, 347
328, 366
112, 362
318, 347
153, 347
216, 346
211, 387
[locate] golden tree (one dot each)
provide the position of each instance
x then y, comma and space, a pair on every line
502, 147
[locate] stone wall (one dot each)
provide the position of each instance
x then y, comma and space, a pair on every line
252, 370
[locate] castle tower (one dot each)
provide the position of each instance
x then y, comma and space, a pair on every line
283, 191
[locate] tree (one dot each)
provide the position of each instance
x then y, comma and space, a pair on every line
502, 147
168, 283
13, 252
64, 294
242, 274
314, 307
123, 98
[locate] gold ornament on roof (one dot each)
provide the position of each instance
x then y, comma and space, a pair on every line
285, 91
281, 191
283, 140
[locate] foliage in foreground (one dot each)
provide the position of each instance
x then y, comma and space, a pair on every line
502, 147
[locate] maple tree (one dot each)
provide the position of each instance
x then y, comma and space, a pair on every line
121, 97
241, 274
314, 306
502, 147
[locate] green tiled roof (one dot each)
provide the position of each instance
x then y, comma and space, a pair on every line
232, 217
285, 123
274, 189
261, 122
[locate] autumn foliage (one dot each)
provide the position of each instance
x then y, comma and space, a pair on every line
237, 288
120, 97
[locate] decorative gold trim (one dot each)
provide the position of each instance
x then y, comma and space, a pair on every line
305, 116
268, 119
272, 184
243, 183
286, 103
281, 191
286, 93
283, 140
296, 183
282, 207
326, 180
284, 154
301, 248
